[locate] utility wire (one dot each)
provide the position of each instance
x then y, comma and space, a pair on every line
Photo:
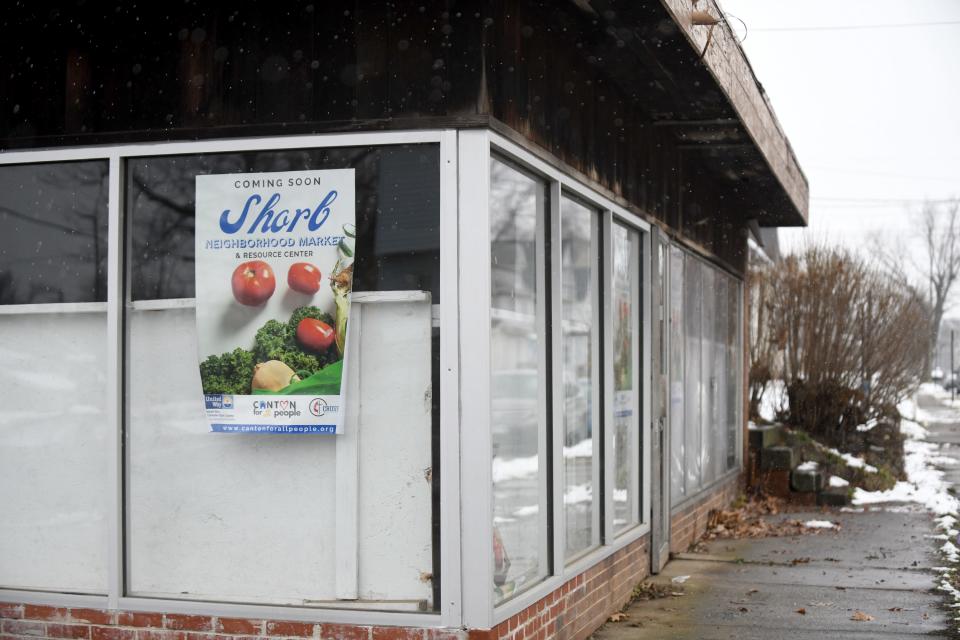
857, 27
883, 200
887, 174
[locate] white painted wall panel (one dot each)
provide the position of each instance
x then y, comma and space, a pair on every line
395, 421
252, 517
53, 452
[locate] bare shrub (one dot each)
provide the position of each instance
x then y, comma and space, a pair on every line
852, 339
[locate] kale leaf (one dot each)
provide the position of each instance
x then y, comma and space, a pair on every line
229, 373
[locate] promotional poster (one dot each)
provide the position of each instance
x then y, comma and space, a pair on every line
274, 272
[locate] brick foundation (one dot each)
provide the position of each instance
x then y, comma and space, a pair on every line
33, 622
571, 612
582, 604
688, 524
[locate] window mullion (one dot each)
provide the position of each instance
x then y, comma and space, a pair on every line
114, 406
606, 386
475, 435
559, 525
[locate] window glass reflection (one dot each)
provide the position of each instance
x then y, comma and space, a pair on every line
579, 273
626, 375
54, 242
398, 214
517, 202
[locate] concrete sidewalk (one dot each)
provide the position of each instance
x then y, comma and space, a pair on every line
878, 563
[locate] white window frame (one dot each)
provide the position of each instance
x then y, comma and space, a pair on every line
449, 614
642, 375
475, 148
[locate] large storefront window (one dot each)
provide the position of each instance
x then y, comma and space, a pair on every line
627, 374
579, 248
517, 209
567, 372
677, 407
258, 518
704, 373
53, 432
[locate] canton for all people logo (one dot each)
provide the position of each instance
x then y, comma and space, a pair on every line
318, 406
275, 408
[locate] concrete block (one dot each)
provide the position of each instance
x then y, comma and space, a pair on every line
776, 459
769, 435
807, 480
833, 497
803, 481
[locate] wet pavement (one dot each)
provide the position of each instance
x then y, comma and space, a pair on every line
879, 562
944, 429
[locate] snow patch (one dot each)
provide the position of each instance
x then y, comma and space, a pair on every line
514, 468
837, 481
807, 467
912, 429
820, 524
853, 461
583, 449
578, 493
773, 400
950, 551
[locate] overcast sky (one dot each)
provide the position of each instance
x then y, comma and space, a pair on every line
873, 114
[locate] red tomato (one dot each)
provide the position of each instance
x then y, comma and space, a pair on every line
303, 277
253, 283
315, 334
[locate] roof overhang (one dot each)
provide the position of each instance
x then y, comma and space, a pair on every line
754, 134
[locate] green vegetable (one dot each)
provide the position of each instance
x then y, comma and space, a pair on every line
229, 373
274, 341
307, 312
232, 372
270, 340
325, 382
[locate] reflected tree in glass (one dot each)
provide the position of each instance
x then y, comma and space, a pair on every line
517, 203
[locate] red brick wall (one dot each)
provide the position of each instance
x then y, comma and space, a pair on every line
32, 622
572, 612
582, 604
688, 524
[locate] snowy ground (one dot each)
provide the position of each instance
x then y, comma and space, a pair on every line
926, 484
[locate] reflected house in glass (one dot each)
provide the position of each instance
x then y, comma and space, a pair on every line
553, 209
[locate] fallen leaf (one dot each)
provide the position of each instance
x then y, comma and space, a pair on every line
617, 617
802, 611
860, 616
653, 591
797, 561
743, 609
752, 591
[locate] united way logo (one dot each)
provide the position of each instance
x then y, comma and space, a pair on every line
318, 407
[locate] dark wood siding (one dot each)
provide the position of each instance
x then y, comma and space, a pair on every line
591, 83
